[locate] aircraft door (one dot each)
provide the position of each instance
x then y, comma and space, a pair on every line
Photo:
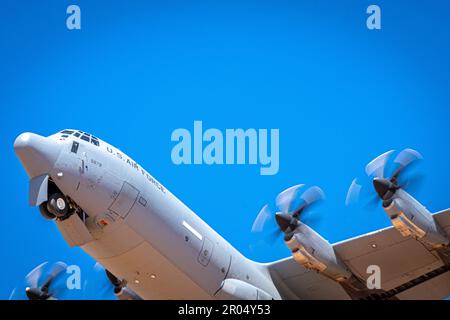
215, 261
125, 200
205, 253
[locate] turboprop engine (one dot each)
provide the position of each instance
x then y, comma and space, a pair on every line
308, 248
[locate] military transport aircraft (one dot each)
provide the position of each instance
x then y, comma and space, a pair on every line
152, 246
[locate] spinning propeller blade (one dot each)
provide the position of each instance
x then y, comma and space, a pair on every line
292, 206
385, 186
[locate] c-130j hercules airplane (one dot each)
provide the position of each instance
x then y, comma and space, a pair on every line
154, 247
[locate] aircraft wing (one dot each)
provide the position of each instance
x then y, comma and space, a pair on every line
408, 269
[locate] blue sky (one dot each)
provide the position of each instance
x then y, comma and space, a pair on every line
339, 93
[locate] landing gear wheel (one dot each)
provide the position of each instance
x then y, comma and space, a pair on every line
58, 205
45, 213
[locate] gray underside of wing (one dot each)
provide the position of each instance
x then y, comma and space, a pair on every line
295, 282
408, 269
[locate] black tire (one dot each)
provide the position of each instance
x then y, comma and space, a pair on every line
45, 213
58, 205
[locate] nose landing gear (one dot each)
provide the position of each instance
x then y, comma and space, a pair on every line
57, 206
45, 213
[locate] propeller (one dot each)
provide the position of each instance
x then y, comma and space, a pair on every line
38, 288
111, 283
292, 205
386, 187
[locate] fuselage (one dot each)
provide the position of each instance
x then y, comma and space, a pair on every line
138, 229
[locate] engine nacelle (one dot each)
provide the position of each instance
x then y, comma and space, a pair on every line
126, 293
313, 252
234, 289
413, 220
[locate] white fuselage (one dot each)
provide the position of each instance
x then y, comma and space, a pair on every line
142, 233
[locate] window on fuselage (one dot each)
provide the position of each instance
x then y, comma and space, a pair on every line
85, 138
74, 147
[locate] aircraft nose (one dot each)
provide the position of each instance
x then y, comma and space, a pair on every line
38, 154
382, 186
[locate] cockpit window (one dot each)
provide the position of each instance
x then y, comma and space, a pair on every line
82, 135
95, 142
85, 138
